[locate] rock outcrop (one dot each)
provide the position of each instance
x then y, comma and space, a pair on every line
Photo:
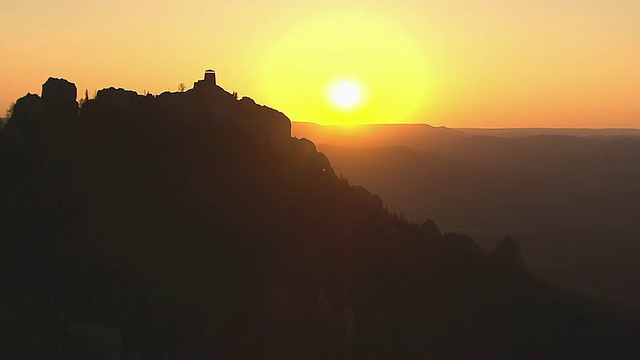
509, 251
59, 95
27, 113
117, 100
204, 106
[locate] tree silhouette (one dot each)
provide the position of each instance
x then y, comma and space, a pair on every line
182, 87
9, 111
85, 99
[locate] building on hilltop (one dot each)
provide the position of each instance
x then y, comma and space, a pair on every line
208, 81
210, 76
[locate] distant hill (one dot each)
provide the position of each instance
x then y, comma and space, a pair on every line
526, 132
572, 201
193, 226
420, 136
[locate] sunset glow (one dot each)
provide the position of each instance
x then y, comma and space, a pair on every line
494, 63
345, 95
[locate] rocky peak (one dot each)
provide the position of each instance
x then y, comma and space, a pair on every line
118, 99
29, 104
26, 113
59, 94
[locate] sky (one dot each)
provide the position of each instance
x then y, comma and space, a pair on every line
489, 63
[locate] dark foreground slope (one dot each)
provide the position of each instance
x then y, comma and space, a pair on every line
193, 226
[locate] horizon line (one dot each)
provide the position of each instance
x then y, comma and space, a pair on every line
470, 127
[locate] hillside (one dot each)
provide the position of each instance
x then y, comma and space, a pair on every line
193, 226
570, 200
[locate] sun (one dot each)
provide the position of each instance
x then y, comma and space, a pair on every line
346, 95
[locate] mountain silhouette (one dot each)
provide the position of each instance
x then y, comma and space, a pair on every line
570, 200
192, 225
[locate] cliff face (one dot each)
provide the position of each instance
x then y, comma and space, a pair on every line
192, 225
59, 95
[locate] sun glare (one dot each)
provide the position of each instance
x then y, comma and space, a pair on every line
329, 69
345, 95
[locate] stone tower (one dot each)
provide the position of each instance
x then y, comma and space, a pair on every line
209, 80
210, 77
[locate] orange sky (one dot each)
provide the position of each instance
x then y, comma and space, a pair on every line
490, 63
